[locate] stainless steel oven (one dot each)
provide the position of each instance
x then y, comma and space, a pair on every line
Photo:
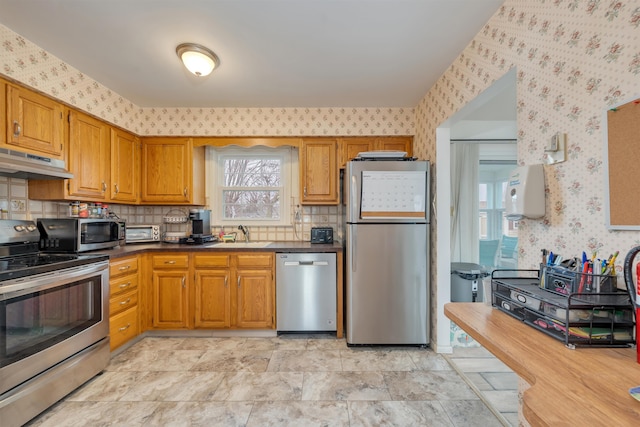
54, 325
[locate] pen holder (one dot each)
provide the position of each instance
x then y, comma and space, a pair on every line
565, 281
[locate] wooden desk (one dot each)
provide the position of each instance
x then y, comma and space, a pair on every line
581, 387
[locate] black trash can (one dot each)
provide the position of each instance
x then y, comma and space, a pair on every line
466, 283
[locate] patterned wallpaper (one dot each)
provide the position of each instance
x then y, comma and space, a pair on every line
27, 63
574, 59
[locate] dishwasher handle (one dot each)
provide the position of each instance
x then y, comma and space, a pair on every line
311, 263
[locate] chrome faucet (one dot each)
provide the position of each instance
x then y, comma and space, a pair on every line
245, 231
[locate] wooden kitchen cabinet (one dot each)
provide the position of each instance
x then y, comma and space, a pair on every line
319, 172
212, 291
350, 147
89, 161
125, 167
229, 291
172, 172
88, 157
35, 123
124, 314
170, 291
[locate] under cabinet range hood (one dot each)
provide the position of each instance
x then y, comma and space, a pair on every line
16, 164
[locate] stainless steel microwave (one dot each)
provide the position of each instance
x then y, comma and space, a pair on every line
80, 234
142, 233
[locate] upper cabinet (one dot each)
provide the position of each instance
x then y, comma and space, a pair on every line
3, 112
88, 157
125, 167
350, 147
172, 172
34, 123
319, 172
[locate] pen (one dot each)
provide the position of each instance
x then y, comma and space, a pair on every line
550, 259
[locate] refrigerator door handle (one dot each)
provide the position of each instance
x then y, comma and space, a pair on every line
353, 199
352, 245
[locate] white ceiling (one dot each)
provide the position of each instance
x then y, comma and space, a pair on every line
274, 53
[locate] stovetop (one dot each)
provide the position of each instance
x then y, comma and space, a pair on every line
20, 256
14, 267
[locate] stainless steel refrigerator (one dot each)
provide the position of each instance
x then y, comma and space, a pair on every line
387, 252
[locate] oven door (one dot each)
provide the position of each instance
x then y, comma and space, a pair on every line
49, 317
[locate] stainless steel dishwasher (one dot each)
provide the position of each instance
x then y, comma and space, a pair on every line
306, 292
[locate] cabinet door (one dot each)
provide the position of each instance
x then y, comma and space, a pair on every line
212, 299
319, 172
255, 296
398, 143
350, 147
170, 299
35, 122
166, 170
125, 169
88, 156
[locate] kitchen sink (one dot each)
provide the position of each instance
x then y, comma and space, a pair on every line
242, 244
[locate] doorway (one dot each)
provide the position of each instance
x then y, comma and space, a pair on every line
491, 116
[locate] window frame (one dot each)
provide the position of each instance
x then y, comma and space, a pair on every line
215, 177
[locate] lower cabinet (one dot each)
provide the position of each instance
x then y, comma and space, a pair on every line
124, 314
170, 291
228, 291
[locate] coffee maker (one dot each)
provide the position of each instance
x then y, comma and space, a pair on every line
200, 227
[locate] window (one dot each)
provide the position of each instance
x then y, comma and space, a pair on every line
492, 185
250, 186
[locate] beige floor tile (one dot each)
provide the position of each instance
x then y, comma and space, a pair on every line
344, 386
234, 361
188, 414
394, 413
305, 361
427, 385
266, 386
175, 387
470, 413
382, 360
299, 413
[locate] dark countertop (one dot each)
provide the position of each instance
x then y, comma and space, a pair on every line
281, 246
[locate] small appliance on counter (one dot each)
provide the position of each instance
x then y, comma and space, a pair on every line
321, 235
142, 233
80, 234
200, 227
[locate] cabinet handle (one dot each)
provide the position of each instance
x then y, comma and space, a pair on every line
124, 328
104, 186
170, 262
184, 285
305, 191
125, 302
125, 285
16, 128
239, 281
186, 192
124, 267
226, 280
117, 189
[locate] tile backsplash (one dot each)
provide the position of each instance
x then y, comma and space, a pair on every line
15, 200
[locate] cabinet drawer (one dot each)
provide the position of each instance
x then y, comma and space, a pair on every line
123, 266
211, 261
123, 284
123, 302
254, 261
170, 261
123, 326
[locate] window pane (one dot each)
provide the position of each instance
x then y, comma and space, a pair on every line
483, 194
484, 225
251, 172
251, 204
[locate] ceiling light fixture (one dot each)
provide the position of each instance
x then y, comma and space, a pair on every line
197, 58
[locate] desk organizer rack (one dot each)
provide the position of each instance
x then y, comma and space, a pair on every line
579, 319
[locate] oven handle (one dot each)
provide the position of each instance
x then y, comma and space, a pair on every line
40, 282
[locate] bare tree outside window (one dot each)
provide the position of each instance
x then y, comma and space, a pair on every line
252, 188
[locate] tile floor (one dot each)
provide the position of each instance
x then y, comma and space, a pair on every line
496, 384
276, 381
